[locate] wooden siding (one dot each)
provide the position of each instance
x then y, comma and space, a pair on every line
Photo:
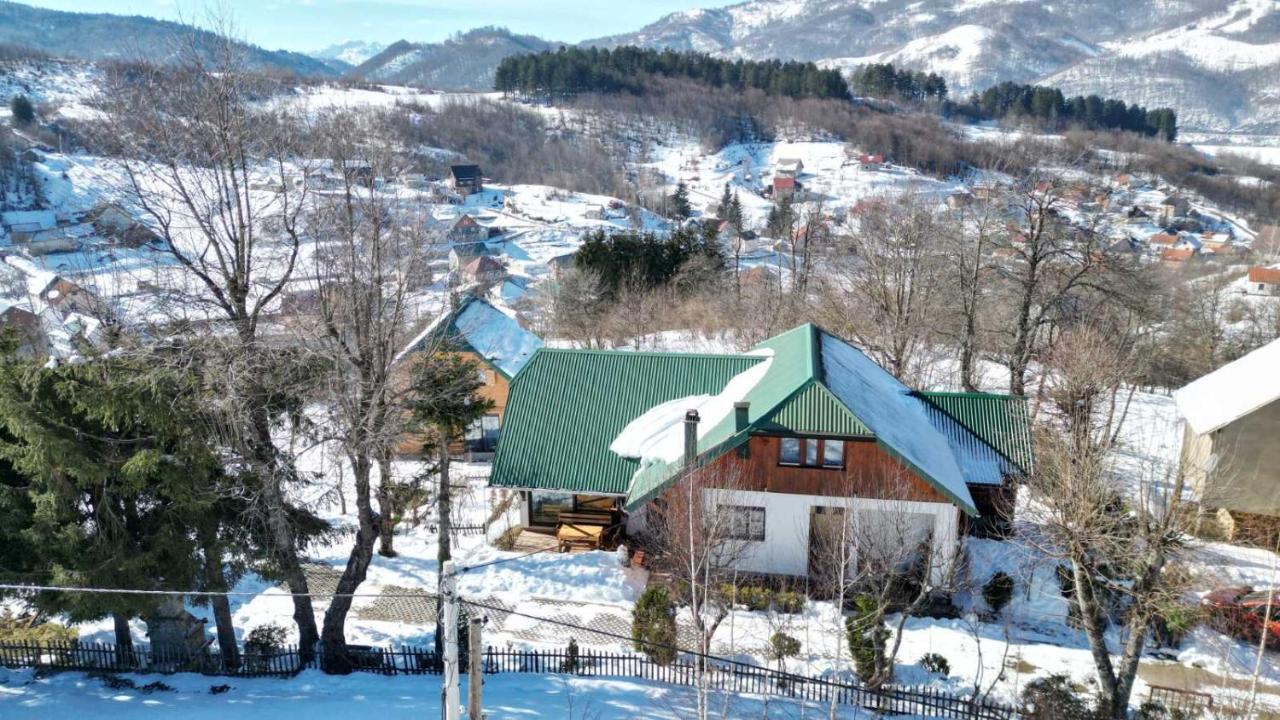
869, 471
496, 389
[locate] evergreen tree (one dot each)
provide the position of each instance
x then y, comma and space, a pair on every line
444, 401
680, 207
722, 210
117, 477
23, 112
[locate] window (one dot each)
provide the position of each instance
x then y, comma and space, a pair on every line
811, 452
789, 454
745, 523
833, 454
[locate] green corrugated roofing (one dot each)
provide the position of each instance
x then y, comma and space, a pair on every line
1000, 421
567, 406
813, 410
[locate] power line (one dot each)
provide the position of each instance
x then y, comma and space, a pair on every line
200, 593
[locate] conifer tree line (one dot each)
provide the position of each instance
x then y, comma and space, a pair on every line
1051, 108
570, 71
883, 80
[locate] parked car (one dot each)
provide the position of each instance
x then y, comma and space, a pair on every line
1241, 613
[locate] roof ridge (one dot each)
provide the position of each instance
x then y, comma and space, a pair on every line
649, 353
975, 394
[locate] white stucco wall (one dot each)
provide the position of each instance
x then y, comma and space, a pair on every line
785, 550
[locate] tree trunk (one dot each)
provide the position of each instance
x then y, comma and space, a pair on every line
124, 639
1094, 630
334, 659
216, 582
444, 508
387, 507
284, 548
444, 550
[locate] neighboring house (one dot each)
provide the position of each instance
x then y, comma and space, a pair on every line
24, 224
27, 330
784, 186
461, 255
490, 338
1163, 240
561, 264
1177, 256
466, 179
63, 238
484, 270
789, 167
1264, 280
810, 426
1230, 452
870, 162
466, 230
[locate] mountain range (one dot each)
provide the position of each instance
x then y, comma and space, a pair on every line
1216, 61
100, 36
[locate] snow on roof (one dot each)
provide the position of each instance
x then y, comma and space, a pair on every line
30, 219
491, 333
658, 434
898, 419
1232, 391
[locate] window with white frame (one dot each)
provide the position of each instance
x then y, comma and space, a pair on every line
744, 522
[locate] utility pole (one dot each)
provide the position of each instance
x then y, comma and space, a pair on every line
475, 677
449, 600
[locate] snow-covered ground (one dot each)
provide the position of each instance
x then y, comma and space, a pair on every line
314, 696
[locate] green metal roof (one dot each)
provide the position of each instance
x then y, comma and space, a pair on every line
1000, 421
813, 410
567, 406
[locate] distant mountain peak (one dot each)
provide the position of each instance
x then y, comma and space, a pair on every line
351, 52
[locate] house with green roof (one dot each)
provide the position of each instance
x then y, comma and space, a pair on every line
808, 424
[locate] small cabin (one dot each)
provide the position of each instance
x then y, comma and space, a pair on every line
466, 179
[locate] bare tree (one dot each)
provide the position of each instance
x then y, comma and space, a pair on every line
1117, 531
702, 530
878, 552
365, 262
883, 289
977, 227
1048, 264
210, 167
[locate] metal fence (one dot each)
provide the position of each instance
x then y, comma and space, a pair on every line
721, 675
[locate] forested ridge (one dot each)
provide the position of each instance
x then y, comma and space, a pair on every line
571, 71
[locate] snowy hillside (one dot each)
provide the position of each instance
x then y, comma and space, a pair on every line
1218, 64
351, 52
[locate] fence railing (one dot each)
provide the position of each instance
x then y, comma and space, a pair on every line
721, 675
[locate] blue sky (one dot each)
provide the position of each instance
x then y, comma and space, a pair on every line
312, 24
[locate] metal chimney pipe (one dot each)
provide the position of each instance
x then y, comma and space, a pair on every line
691, 419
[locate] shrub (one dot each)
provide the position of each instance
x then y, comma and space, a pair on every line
1172, 623
754, 598
935, 663
25, 630
998, 592
783, 646
571, 657
23, 112
1053, 698
265, 639
1155, 710
507, 540
867, 637
789, 602
653, 625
